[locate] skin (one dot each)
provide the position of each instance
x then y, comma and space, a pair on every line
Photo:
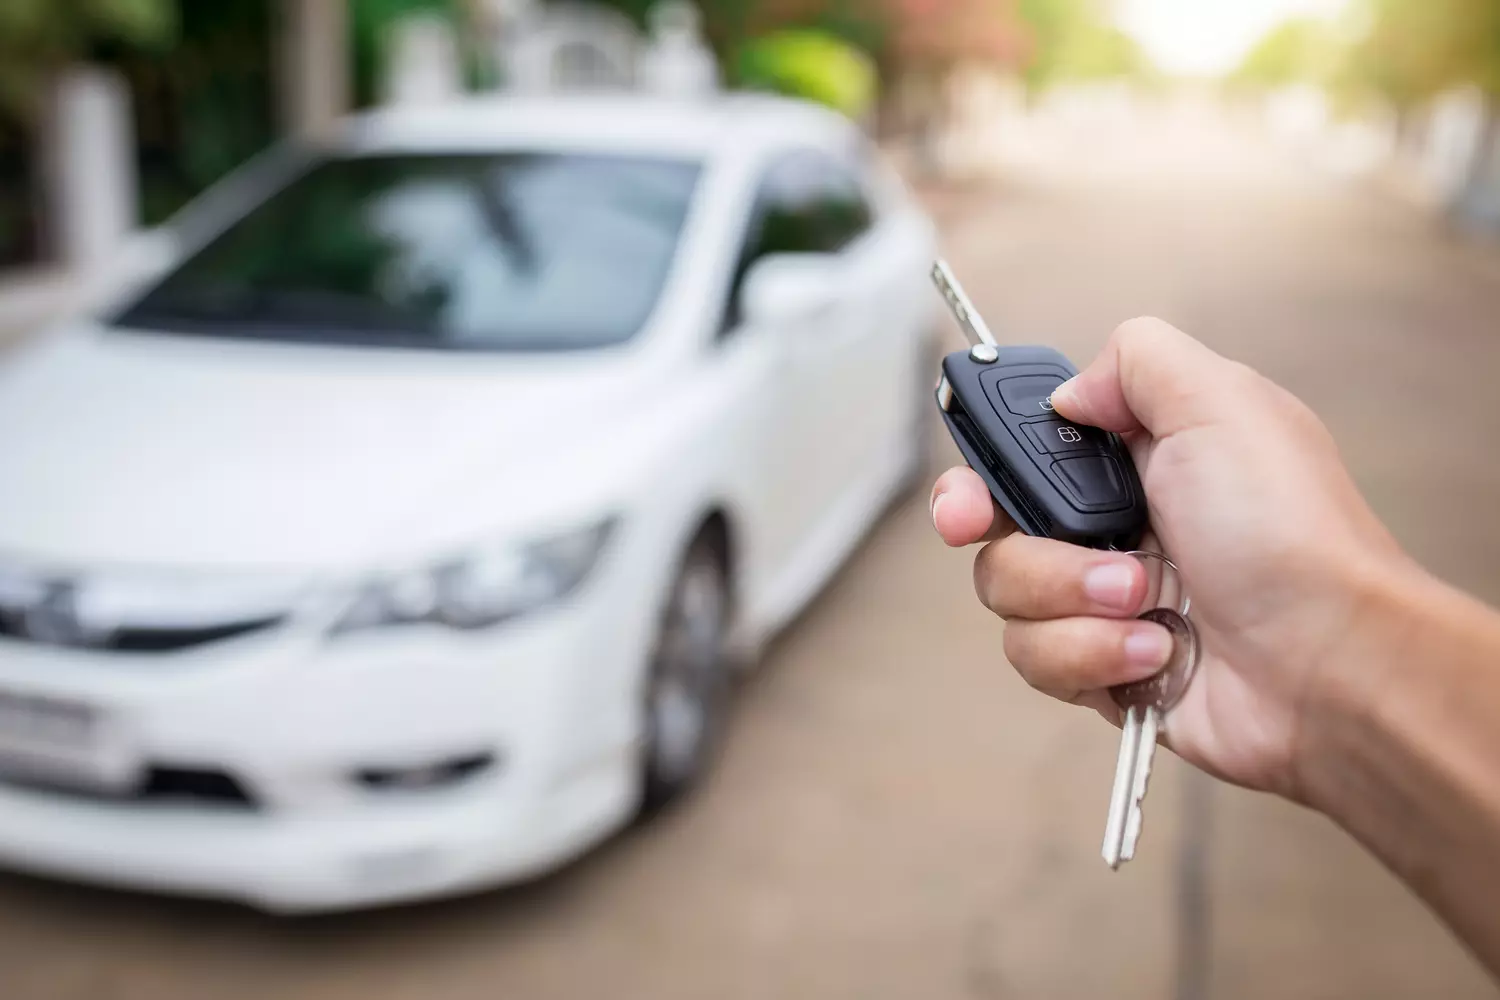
1336, 673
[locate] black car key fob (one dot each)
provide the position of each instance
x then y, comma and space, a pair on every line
1055, 478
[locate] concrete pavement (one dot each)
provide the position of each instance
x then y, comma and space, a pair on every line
897, 816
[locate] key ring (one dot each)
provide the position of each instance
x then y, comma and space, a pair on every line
1185, 604
1163, 691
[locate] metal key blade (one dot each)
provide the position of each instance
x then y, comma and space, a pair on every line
1145, 755
1146, 704
969, 320
1124, 787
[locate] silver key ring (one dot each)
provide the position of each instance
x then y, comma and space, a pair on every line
1186, 604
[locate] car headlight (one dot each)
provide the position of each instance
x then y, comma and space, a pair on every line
483, 588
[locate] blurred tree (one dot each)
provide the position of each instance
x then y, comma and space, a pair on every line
1076, 40
205, 105
1303, 50
830, 51
940, 34
1050, 22
1412, 50
734, 25
811, 64
37, 37
1100, 51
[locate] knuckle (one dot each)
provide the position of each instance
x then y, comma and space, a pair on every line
1026, 654
1046, 658
1065, 658
1301, 416
1238, 377
1015, 577
1143, 333
1137, 327
986, 577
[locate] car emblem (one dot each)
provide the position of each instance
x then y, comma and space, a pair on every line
55, 620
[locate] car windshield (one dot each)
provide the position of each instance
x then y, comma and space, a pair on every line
514, 251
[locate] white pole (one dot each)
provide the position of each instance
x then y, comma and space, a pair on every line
95, 185
314, 65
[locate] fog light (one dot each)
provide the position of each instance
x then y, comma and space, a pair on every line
426, 776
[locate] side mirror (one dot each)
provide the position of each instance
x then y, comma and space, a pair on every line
790, 288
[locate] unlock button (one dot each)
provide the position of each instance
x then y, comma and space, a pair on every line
1053, 437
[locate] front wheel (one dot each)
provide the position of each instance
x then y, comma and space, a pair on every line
687, 691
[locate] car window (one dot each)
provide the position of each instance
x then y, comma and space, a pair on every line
484, 252
808, 202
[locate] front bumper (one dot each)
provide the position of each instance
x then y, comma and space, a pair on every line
443, 845
296, 719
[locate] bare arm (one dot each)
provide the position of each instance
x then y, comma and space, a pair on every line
1404, 751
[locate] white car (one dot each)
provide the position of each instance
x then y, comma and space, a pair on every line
402, 538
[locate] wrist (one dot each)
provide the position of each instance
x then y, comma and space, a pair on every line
1407, 667
1348, 696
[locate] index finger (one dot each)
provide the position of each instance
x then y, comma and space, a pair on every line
963, 511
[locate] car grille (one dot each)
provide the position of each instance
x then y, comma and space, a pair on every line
14, 625
161, 786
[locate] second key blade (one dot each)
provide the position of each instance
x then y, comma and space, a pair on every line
1145, 756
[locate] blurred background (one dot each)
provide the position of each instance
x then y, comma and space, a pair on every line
1310, 186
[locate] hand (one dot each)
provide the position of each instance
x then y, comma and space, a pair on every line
1250, 499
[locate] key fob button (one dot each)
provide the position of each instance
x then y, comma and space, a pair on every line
1029, 395
1093, 480
1054, 437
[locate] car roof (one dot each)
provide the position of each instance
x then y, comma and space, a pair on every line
698, 127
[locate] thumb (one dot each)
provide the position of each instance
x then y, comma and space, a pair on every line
1151, 376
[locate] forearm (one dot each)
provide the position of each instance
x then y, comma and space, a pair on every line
1404, 751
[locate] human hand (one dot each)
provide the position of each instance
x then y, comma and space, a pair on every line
1250, 499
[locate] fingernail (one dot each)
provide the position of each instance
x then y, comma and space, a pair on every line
1110, 585
937, 502
1065, 394
1148, 647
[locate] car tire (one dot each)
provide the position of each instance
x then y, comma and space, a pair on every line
688, 687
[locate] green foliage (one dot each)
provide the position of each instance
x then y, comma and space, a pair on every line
1101, 51
813, 65
1299, 51
205, 105
732, 25
1050, 22
1410, 50
38, 36
865, 26
1074, 40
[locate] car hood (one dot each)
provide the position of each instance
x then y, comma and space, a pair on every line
150, 451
